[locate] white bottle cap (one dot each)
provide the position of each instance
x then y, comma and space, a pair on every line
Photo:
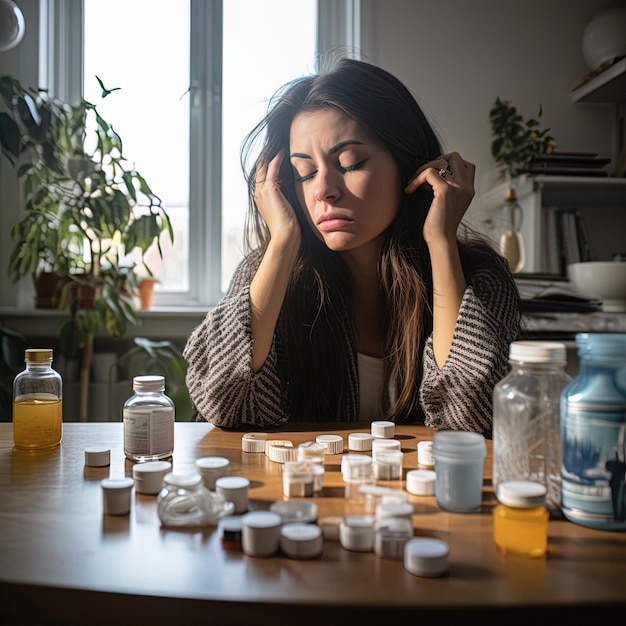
402, 510
295, 511
426, 557
388, 464
361, 442
521, 494
297, 479
116, 495
333, 444
211, 468
253, 442
97, 456
277, 442
538, 352
421, 482
149, 476
356, 465
382, 429
356, 533
301, 540
281, 454
234, 489
425, 454
260, 536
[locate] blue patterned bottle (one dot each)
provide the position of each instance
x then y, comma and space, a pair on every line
593, 434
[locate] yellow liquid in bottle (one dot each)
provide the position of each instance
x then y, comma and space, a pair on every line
37, 422
521, 531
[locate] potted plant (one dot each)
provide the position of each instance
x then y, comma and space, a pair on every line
90, 217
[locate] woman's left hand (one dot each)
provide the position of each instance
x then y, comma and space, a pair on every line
452, 181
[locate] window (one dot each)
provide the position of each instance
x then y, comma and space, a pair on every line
192, 82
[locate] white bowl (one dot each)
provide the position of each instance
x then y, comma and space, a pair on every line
605, 280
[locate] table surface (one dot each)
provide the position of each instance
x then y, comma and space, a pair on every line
61, 559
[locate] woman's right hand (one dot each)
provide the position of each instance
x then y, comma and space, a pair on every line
272, 204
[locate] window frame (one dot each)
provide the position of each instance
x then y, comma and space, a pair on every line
61, 70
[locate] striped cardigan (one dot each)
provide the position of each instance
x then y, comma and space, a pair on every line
227, 392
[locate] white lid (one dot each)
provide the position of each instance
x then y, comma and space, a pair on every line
301, 540
383, 428
377, 491
425, 453
356, 532
523, 494
349, 460
421, 482
97, 456
426, 557
538, 352
149, 476
232, 483
253, 442
212, 463
311, 451
184, 480
281, 454
295, 510
360, 441
460, 443
277, 442
384, 444
149, 383
117, 483
332, 443
394, 509
261, 519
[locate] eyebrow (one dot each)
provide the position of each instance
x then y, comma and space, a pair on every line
335, 148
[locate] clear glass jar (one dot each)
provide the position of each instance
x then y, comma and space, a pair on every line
593, 431
149, 417
37, 403
520, 521
526, 423
185, 501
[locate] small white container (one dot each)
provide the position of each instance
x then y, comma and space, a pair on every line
149, 476
354, 466
318, 478
234, 489
384, 444
390, 537
282, 454
311, 451
330, 527
333, 444
426, 557
260, 535
421, 482
211, 468
360, 442
301, 540
298, 479
398, 510
388, 465
425, 457
356, 533
382, 429
375, 494
97, 456
116, 494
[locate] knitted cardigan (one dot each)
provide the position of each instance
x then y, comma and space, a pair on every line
227, 392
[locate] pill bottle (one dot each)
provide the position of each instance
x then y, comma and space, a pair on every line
526, 423
148, 417
37, 403
520, 521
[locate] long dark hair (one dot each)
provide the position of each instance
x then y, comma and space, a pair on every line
318, 332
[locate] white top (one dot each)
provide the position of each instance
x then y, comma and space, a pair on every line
371, 380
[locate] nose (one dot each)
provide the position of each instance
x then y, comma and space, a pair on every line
327, 188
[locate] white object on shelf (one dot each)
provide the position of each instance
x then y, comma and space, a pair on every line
604, 38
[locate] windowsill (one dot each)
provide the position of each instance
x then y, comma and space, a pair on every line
163, 322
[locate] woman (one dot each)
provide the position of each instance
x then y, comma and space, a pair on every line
356, 301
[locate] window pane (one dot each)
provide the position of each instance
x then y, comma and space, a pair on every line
149, 62
265, 44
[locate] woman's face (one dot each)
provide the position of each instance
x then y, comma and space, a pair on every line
346, 181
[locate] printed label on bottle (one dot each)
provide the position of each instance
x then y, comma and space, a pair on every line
594, 466
148, 431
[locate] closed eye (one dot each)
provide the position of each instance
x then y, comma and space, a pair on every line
353, 168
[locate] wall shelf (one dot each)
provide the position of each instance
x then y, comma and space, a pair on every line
609, 86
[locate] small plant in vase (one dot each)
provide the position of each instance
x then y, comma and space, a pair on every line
90, 218
515, 142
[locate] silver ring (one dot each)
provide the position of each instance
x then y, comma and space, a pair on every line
443, 172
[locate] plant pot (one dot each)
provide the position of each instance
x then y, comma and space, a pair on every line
48, 287
146, 292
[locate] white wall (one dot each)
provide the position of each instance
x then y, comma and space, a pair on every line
456, 56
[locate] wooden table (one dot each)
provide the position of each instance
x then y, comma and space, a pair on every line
63, 562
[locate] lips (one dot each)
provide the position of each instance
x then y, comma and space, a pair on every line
333, 221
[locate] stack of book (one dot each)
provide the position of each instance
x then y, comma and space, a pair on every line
566, 239
570, 164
